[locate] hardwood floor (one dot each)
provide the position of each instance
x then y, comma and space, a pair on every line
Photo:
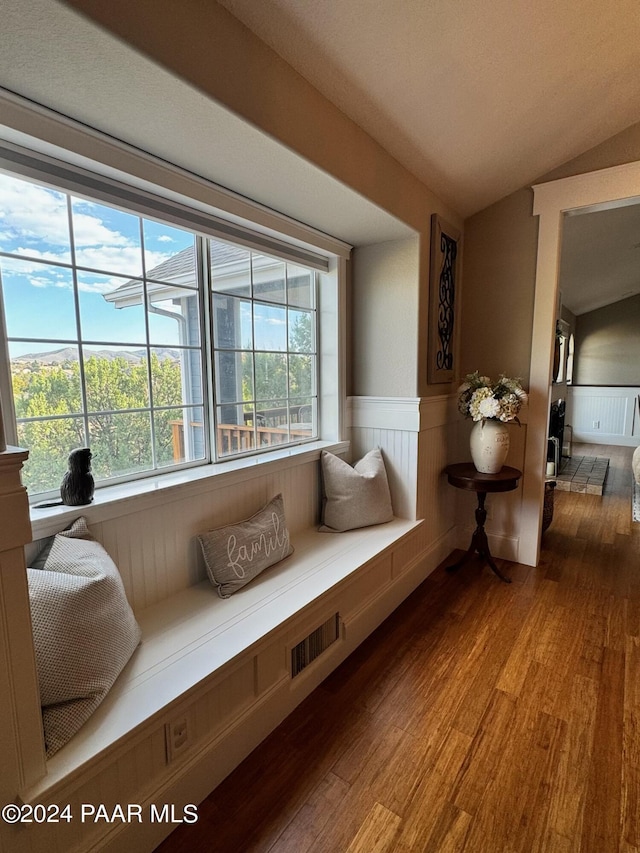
481, 717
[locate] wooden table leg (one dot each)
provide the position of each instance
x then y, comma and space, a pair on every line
479, 542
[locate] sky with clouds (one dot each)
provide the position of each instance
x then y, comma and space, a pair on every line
40, 232
37, 228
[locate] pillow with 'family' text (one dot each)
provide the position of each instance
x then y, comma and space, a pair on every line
355, 496
237, 553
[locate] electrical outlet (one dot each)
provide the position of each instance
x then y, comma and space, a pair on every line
178, 735
596, 424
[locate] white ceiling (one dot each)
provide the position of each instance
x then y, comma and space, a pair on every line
600, 260
481, 97
54, 56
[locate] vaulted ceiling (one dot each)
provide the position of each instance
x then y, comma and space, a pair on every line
475, 97
481, 97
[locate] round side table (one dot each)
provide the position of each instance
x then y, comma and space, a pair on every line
464, 475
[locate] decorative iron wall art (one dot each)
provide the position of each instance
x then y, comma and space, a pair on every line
445, 241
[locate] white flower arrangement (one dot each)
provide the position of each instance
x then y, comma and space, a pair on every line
481, 399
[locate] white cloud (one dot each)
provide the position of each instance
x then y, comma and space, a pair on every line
33, 214
36, 274
28, 268
126, 259
91, 231
28, 212
34, 223
43, 281
36, 254
102, 286
164, 238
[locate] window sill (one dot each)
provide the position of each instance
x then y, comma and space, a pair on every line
116, 501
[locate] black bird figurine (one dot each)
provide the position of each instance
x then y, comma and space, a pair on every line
77, 485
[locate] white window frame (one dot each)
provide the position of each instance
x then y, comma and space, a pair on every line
324, 254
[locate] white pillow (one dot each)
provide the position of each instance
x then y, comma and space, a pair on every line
84, 631
635, 464
355, 496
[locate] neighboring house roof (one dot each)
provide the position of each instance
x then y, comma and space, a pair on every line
177, 266
179, 270
182, 264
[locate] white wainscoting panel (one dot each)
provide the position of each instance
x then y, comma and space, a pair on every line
601, 415
400, 452
156, 549
393, 425
418, 439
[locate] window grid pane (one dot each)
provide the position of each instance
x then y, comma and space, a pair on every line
104, 333
264, 340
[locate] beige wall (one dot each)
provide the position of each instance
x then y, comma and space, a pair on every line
385, 296
608, 345
499, 272
204, 44
500, 267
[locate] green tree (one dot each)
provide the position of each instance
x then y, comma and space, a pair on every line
273, 378
301, 364
120, 439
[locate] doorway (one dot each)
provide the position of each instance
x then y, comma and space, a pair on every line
600, 190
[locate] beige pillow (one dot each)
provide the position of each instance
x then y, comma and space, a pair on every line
635, 464
237, 553
355, 496
84, 631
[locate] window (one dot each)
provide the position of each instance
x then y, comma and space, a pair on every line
155, 345
264, 329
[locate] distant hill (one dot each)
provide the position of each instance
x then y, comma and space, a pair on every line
60, 356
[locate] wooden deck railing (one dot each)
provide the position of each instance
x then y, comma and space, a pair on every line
236, 438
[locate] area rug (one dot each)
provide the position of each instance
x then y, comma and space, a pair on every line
635, 501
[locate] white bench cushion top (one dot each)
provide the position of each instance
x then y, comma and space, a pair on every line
194, 633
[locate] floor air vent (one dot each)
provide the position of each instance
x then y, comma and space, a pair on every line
312, 646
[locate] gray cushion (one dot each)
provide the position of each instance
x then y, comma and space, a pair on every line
84, 631
237, 553
355, 496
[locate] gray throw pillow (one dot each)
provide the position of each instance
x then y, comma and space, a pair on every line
84, 631
355, 496
237, 553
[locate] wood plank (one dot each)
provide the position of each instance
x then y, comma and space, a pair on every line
377, 833
486, 752
512, 813
514, 671
631, 745
306, 826
568, 793
602, 819
450, 832
432, 795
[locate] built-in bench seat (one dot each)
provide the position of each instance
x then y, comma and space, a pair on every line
195, 637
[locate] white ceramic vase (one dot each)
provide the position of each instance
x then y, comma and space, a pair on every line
489, 444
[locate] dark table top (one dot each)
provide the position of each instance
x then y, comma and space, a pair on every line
464, 475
